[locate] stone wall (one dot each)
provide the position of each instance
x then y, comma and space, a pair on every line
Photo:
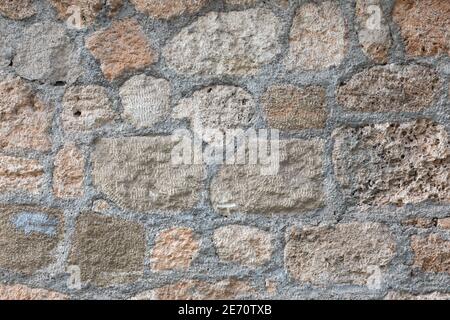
92, 93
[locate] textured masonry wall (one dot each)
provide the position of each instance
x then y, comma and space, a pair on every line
359, 90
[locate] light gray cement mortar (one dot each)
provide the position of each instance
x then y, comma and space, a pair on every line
203, 219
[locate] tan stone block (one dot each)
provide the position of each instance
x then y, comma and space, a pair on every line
248, 246
291, 108
28, 238
108, 250
351, 253
25, 119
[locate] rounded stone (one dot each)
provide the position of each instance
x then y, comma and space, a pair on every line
25, 119
45, 53
346, 253
174, 249
289, 108
29, 237
392, 163
68, 175
225, 43
121, 48
318, 37
390, 88
373, 30
145, 100
17, 9
245, 245
218, 107
169, 9
424, 26
86, 108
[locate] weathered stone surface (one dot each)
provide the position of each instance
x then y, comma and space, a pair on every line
174, 249
145, 100
392, 163
20, 174
394, 295
282, 3
88, 9
45, 53
25, 119
121, 48
296, 188
245, 245
346, 253
22, 292
28, 237
420, 222
424, 25
86, 108
169, 9
231, 43
114, 6
390, 88
68, 175
432, 253
137, 174
373, 30
218, 107
200, 290
17, 9
444, 223
101, 206
108, 250
291, 108
318, 37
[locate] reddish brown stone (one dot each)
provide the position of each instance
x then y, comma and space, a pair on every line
122, 47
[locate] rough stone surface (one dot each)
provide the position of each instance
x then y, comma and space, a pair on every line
346, 253
86, 108
218, 107
200, 290
28, 237
393, 295
397, 163
88, 9
144, 178
290, 108
20, 174
47, 54
431, 253
424, 25
169, 9
174, 249
232, 43
241, 244
108, 250
373, 30
317, 40
391, 88
17, 9
444, 223
68, 173
121, 48
22, 292
296, 188
145, 100
25, 119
